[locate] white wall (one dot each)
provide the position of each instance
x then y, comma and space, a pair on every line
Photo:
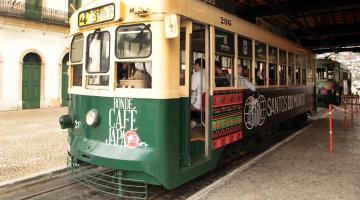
56, 4
1, 76
15, 42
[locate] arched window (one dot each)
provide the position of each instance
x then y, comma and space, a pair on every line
32, 57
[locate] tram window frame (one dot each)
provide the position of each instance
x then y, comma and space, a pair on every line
321, 73
303, 76
245, 56
107, 58
116, 49
226, 59
282, 67
72, 49
273, 63
303, 70
291, 67
259, 61
128, 75
76, 75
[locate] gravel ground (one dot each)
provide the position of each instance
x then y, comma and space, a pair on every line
31, 142
303, 169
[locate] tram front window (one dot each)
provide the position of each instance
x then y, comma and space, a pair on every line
133, 42
133, 74
98, 58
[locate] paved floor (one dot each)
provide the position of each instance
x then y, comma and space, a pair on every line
31, 142
301, 169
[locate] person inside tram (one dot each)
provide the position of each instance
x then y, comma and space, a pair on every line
220, 78
244, 79
197, 84
259, 78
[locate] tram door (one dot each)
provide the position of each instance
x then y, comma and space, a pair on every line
195, 70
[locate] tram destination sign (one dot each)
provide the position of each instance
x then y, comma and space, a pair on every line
96, 15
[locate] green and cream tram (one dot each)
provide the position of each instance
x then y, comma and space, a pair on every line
130, 86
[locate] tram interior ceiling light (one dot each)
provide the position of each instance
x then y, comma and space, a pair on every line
92, 117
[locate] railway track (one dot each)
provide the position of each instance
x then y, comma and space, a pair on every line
65, 188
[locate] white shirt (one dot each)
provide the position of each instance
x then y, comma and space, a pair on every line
148, 68
244, 82
196, 88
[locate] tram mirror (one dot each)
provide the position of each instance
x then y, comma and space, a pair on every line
171, 26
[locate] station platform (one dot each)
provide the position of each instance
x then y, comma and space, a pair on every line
32, 144
301, 167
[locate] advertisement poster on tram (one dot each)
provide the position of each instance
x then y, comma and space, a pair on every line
265, 107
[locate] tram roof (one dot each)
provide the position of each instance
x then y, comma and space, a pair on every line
205, 13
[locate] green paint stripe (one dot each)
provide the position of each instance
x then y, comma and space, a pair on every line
226, 122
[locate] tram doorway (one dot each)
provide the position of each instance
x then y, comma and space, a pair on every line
195, 45
64, 81
31, 77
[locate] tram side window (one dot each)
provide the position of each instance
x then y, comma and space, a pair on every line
298, 69
303, 70
282, 67
76, 56
260, 68
291, 63
133, 74
245, 59
273, 65
303, 76
225, 54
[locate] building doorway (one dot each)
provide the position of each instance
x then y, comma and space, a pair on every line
64, 81
31, 78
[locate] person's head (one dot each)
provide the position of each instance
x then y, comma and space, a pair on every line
245, 72
199, 63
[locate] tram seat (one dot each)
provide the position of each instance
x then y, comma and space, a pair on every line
132, 84
197, 134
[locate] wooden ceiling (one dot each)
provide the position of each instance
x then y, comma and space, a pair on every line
320, 25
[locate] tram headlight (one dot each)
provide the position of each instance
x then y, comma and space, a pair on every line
92, 117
